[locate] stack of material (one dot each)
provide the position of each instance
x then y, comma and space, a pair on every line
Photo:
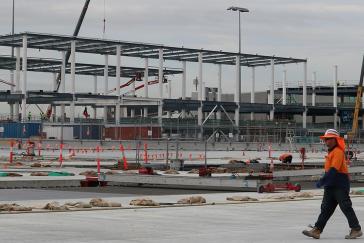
192, 200
55, 206
242, 199
144, 202
14, 207
99, 202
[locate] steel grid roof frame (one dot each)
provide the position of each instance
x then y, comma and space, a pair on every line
54, 66
141, 50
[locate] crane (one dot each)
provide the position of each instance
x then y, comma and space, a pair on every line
68, 53
358, 103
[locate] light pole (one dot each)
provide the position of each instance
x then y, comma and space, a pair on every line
240, 10
238, 63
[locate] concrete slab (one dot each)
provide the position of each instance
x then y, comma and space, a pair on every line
258, 222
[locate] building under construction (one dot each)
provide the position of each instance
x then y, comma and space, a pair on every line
126, 116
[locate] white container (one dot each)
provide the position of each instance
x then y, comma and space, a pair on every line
55, 132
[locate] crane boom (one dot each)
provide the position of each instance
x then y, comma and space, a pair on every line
68, 53
358, 102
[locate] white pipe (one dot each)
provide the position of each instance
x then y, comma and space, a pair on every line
24, 69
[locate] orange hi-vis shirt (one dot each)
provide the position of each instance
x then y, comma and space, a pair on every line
336, 159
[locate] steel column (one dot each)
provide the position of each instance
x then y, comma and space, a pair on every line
106, 83
95, 92
160, 79
63, 84
17, 81
73, 80
219, 88
252, 93
284, 88
200, 80
237, 92
314, 80
24, 71
271, 97
184, 81
118, 72
304, 100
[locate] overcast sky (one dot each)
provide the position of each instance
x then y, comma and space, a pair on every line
327, 32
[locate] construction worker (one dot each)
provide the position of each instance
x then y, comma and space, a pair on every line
336, 188
286, 158
29, 116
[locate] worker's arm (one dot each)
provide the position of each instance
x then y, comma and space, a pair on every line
337, 161
328, 178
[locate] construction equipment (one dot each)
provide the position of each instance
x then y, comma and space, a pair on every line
68, 53
271, 187
358, 101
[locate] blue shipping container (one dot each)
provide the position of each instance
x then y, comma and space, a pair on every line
86, 131
20, 130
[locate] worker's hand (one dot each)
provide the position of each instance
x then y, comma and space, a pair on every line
318, 184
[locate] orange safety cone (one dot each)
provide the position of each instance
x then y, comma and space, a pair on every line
60, 155
11, 151
124, 158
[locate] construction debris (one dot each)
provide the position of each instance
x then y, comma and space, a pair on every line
291, 196
171, 172
192, 200
13, 174
39, 174
359, 192
78, 204
242, 199
193, 171
99, 202
14, 207
56, 206
89, 173
143, 202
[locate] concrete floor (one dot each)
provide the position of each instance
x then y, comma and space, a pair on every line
257, 222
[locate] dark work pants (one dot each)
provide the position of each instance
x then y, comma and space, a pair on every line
332, 197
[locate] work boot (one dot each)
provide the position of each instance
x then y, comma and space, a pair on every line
314, 233
354, 233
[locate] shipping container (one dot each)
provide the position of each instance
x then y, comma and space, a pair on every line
55, 132
132, 133
88, 132
20, 130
